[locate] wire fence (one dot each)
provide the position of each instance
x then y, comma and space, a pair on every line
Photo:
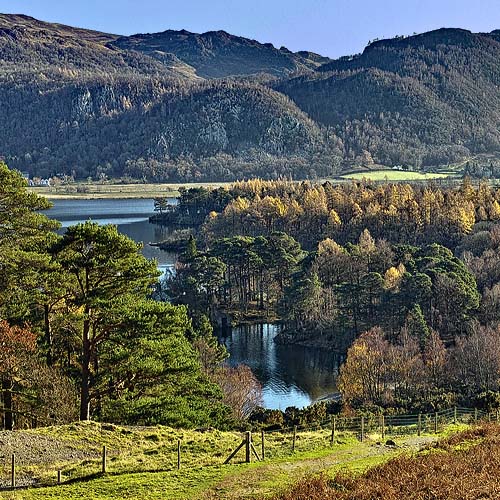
214, 448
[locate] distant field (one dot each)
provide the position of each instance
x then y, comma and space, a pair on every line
96, 191
102, 191
394, 175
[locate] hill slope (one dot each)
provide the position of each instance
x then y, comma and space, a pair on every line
84, 103
426, 99
218, 54
147, 128
142, 461
462, 466
36, 49
77, 104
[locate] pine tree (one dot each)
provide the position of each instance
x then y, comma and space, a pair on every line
417, 326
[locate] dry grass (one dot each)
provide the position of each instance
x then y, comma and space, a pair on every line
394, 175
463, 467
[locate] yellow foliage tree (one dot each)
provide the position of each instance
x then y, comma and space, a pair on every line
393, 277
333, 219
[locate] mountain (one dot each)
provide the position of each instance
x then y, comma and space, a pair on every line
79, 104
424, 100
181, 106
31, 48
217, 54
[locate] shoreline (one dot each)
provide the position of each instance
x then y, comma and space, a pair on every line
118, 191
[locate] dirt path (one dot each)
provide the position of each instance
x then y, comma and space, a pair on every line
261, 481
34, 449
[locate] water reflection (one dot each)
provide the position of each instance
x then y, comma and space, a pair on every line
145, 233
291, 375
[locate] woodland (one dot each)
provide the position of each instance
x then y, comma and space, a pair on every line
404, 278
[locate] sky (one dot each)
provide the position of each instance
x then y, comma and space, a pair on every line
330, 27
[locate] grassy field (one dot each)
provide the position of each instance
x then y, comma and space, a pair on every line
125, 191
142, 462
464, 466
395, 175
128, 191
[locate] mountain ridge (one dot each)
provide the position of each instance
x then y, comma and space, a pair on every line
217, 54
178, 105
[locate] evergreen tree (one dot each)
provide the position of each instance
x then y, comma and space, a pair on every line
417, 328
104, 268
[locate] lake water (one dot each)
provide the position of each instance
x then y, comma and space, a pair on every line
131, 217
290, 375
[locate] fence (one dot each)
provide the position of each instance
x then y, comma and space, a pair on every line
213, 448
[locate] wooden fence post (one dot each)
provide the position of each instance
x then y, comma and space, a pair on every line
248, 441
294, 437
435, 423
455, 415
59, 476
419, 428
104, 457
178, 454
475, 414
362, 429
13, 472
262, 444
228, 459
498, 415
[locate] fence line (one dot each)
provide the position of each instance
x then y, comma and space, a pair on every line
272, 443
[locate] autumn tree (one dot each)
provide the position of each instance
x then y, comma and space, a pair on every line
364, 377
476, 360
31, 392
242, 392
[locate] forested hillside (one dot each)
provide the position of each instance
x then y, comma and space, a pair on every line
77, 105
178, 106
424, 100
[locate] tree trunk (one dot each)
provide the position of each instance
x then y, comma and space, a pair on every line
85, 384
7, 404
48, 334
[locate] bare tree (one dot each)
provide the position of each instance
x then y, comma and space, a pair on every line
241, 389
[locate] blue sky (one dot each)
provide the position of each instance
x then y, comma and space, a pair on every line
329, 27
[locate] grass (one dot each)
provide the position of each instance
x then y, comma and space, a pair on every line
124, 191
394, 175
462, 466
127, 191
142, 462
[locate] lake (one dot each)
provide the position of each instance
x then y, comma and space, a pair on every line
290, 375
131, 217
